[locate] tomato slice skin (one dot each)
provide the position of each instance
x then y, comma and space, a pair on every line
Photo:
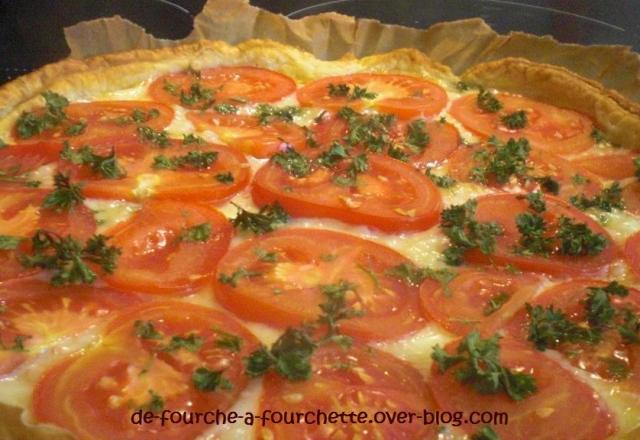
569, 296
229, 84
405, 96
375, 381
394, 197
101, 118
27, 157
631, 197
391, 307
560, 131
105, 379
44, 315
574, 410
632, 253
155, 260
503, 208
461, 306
246, 134
541, 164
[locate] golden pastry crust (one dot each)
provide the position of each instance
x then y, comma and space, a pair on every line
617, 116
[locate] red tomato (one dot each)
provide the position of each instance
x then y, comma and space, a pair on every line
443, 139
504, 208
40, 315
104, 118
391, 195
15, 160
476, 299
154, 257
353, 380
287, 292
21, 215
570, 297
404, 96
540, 163
225, 84
632, 252
613, 166
246, 134
94, 395
562, 407
631, 197
550, 128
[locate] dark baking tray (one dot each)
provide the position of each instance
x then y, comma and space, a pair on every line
31, 30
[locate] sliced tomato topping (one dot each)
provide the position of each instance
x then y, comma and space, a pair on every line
94, 395
34, 315
571, 178
632, 252
442, 139
286, 288
476, 299
236, 85
404, 96
611, 358
390, 195
357, 379
17, 160
612, 166
21, 214
504, 208
105, 118
548, 127
246, 134
631, 197
562, 407
158, 256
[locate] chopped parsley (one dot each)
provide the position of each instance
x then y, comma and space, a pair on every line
18, 344
495, 303
226, 108
197, 95
191, 139
487, 101
443, 181
236, 276
485, 433
294, 163
417, 137
68, 258
266, 113
414, 276
550, 327
157, 137
577, 239
146, 330
267, 219
76, 129
515, 120
207, 380
31, 124
14, 174
155, 403
191, 342
330, 158
198, 233
610, 198
359, 164
598, 136
228, 341
138, 116
226, 178
352, 93
65, 195
464, 232
9, 242
106, 166
501, 161
198, 160
476, 363
370, 131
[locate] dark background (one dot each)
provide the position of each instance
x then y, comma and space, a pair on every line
31, 30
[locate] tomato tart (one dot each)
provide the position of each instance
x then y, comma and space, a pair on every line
248, 229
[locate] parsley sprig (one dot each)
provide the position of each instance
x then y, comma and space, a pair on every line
607, 200
501, 160
65, 196
352, 93
34, 123
267, 219
106, 166
198, 160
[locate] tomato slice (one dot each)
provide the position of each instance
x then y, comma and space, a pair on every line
235, 84
21, 215
562, 407
156, 259
569, 297
572, 179
476, 299
405, 96
287, 291
631, 197
550, 128
36, 315
391, 195
105, 118
504, 208
443, 139
632, 252
613, 166
353, 380
16, 160
95, 394
246, 134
